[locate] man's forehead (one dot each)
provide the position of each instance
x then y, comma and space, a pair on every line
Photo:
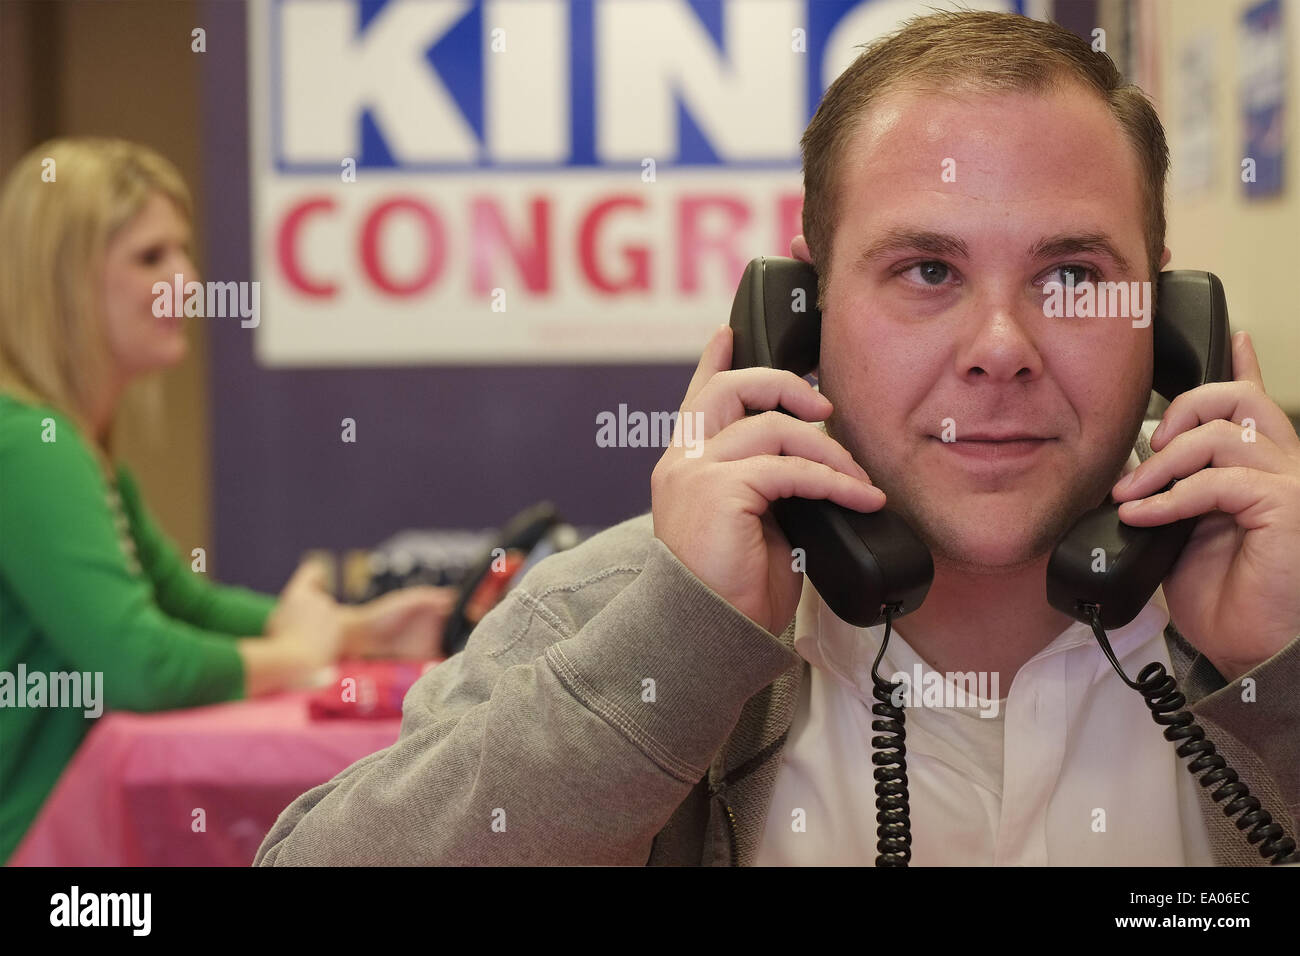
1059, 148
1059, 118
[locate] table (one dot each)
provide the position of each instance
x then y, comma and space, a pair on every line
130, 795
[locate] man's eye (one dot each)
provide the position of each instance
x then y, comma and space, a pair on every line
151, 257
929, 273
1073, 274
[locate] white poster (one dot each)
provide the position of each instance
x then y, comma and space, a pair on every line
527, 181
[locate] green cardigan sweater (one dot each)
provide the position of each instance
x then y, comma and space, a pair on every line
88, 586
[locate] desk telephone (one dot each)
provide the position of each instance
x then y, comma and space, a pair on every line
873, 567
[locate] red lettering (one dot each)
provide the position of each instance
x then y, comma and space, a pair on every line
435, 237
617, 250
692, 246
286, 244
637, 277
488, 234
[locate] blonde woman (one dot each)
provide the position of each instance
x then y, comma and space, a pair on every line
88, 584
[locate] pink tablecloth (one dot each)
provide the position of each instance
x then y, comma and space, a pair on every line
130, 795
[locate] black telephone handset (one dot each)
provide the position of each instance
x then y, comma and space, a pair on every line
859, 563
869, 567
1191, 340
522, 533
862, 564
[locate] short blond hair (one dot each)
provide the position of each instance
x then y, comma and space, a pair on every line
60, 207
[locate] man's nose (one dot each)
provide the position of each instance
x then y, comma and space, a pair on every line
999, 346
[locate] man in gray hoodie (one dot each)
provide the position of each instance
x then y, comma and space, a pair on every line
674, 692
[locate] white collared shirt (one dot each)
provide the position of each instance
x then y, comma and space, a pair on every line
1068, 768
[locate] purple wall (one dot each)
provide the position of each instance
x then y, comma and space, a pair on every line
436, 447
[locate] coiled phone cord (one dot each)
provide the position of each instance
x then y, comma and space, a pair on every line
1166, 702
1160, 691
889, 754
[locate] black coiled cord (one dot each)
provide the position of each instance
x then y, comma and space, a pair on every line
1160, 691
889, 754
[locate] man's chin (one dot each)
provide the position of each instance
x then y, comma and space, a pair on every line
992, 539
979, 552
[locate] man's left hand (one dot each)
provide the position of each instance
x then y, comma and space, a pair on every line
1235, 591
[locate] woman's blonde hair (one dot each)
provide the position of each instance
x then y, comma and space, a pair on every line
59, 208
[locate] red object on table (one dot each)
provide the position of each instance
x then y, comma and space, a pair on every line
369, 690
129, 796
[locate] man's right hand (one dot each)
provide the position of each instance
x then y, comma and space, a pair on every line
712, 510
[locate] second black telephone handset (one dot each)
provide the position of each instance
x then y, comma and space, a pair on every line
869, 567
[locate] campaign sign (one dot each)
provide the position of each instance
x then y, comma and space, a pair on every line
527, 181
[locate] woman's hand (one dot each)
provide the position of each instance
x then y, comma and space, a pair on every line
308, 618
404, 623
304, 634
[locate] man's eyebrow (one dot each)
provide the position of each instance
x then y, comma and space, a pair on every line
928, 243
1059, 247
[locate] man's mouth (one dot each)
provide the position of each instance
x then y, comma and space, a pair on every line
996, 447
988, 436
